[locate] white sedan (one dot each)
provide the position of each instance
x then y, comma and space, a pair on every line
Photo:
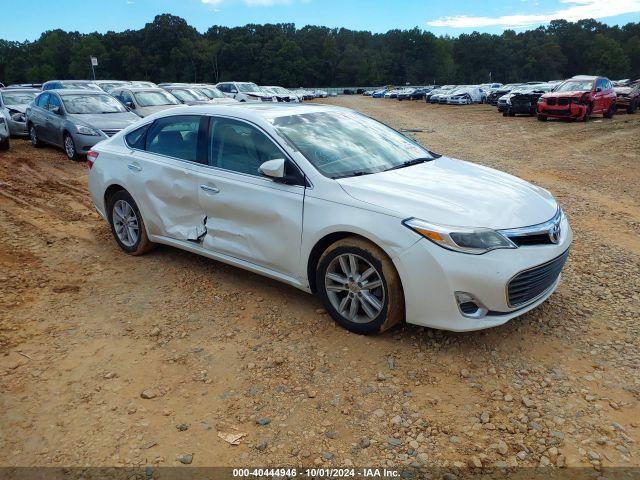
335, 203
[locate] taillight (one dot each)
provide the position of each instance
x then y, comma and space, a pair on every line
91, 158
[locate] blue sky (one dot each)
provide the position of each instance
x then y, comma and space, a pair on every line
27, 19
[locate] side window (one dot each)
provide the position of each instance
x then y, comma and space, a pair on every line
224, 88
240, 147
136, 139
601, 84
54, 102
42, 100
175, 137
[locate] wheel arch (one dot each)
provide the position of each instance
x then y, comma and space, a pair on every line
110, 191
323, 243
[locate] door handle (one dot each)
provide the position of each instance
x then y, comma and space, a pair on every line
134, 168
209, 189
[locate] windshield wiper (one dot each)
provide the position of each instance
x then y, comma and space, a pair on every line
355, 173
415, 161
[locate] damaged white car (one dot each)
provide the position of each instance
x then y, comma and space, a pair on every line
333, 202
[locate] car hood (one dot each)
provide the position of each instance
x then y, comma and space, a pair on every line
102, 121
222, 101
18, 108
452, 192
151, 109
574, 93
623, 90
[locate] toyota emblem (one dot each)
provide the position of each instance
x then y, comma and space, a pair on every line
554, 233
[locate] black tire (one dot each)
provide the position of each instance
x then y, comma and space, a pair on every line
33, 136
143, 244
542, 118
611, 112
5, 144
392, 311
70, 150
631, 109
587, 115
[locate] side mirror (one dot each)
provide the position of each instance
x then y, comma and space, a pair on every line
599, 89
57, 110
130, 105
233, 90
273, 169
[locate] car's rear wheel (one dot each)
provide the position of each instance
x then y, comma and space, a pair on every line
70, 147
33, 136
632, 106
127, 225
360, 286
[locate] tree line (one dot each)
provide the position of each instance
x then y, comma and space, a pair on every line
170, 50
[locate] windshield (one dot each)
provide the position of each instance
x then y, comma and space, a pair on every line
248, 87
185, 95
110, 86
575, 86
83, 104
211, 92
343, 144
18, 98
154, 99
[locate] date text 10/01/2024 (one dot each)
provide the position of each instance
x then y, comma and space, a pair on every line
317, 473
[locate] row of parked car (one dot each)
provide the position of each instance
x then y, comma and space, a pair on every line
77, 114
579, 97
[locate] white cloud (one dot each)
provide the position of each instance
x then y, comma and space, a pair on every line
575, 10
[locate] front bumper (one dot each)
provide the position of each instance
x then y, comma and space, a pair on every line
503, 107
18, 129
84, 143
431, 275
573, 110
458, 101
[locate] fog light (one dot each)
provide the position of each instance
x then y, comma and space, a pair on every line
470, 306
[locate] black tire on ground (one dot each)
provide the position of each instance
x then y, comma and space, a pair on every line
70, 150
392, 311
542, 118
631, 109
33, 136
143, 245
587, 116
5, 144
611, 112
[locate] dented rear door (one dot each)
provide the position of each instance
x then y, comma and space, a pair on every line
165, 181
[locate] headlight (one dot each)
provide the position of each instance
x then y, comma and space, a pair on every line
475, 241
83, 130
17, 116
541, 100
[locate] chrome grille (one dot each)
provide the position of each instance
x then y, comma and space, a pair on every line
110, 133
531, 284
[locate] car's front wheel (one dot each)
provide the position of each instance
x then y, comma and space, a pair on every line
70, 147
33, 136
360, 286
5, 144
127, 225
611, 111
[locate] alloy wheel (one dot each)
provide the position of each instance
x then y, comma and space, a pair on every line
355, 288
125, 223
69, 147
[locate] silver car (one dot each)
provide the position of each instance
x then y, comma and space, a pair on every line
13, 105
75, 119
145, 101
186, 94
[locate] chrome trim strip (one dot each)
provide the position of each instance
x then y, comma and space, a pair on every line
538, 229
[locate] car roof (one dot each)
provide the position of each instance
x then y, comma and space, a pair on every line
75, 91
256, 111
139, 89
584, 77
19, 89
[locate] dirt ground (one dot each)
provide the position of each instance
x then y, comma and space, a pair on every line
85, 330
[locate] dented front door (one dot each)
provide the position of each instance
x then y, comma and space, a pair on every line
253, 219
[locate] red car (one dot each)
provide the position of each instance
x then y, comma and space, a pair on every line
578, 98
